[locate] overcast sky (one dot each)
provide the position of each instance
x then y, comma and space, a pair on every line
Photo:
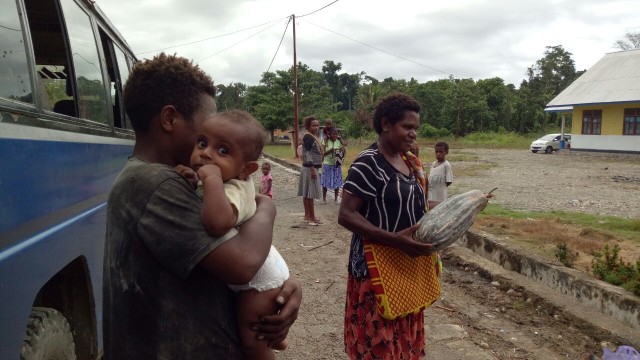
477, 39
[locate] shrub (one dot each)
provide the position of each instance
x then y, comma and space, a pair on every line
429, 131
565, 254
606, 265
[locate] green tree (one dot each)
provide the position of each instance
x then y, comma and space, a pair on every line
330, 71
465, 108
367, 98
499, 102
432, 96
230, 96
350, 84
271, 102
546, 79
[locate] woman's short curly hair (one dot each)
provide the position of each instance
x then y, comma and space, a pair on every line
307, 121
161, 81
393, 108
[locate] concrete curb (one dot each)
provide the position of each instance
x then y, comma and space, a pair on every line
284, 163
571, 312
610, 300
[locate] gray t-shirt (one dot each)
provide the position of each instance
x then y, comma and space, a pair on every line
157, 303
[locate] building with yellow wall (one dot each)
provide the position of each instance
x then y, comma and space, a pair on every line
605, 103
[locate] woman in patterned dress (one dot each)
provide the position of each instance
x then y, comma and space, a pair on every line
382, 202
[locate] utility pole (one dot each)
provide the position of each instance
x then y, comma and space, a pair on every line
295, 91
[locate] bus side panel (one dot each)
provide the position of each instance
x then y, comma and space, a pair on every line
41, 177
53, 204
39, 258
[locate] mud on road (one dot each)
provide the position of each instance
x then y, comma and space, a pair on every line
476, 318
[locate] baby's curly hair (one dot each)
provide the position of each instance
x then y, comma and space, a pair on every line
254, 135
393, 107
161, 81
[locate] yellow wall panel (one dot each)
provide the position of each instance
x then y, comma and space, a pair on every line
612, 117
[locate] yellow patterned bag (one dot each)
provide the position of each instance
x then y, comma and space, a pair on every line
402, 284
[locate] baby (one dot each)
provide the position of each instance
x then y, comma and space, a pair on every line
225, 155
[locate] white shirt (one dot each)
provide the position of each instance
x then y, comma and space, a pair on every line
439, 175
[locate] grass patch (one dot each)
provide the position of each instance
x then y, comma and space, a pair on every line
284, 151
595, 226
496, 140
541, 232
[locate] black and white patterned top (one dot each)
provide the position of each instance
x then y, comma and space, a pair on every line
392, 201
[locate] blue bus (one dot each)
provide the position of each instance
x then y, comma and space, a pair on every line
64, 136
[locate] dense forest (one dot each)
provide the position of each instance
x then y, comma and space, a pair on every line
450, 107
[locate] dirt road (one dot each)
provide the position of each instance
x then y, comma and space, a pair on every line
477, 318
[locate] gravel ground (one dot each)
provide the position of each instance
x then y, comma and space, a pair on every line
475, 318
596, 183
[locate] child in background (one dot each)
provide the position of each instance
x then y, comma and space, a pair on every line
440, 175
266, 180
225, 155
324, 134
331, 167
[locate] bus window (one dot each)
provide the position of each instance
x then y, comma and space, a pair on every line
92, 95
123, 69
51, 59
118, 72
14, 71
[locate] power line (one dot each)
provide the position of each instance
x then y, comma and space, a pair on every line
282, 38
381, 50
243, 40
213, 37
231, 33
313, 12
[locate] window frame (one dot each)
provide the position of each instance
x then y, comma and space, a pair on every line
634, 114
593, 121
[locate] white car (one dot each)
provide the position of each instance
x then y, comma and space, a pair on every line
550, 143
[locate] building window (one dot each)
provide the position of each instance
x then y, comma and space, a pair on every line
591, 122
631, 122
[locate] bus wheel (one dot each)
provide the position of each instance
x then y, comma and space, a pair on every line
48, 336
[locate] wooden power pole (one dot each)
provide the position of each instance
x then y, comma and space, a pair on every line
295, 91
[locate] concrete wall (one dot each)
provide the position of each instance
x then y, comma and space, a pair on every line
608, 299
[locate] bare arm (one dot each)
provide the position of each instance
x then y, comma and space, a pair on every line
239, 259
218, 215
352, 220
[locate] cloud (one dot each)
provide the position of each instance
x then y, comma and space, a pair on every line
470, 39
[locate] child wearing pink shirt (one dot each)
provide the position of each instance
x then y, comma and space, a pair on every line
266, 180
